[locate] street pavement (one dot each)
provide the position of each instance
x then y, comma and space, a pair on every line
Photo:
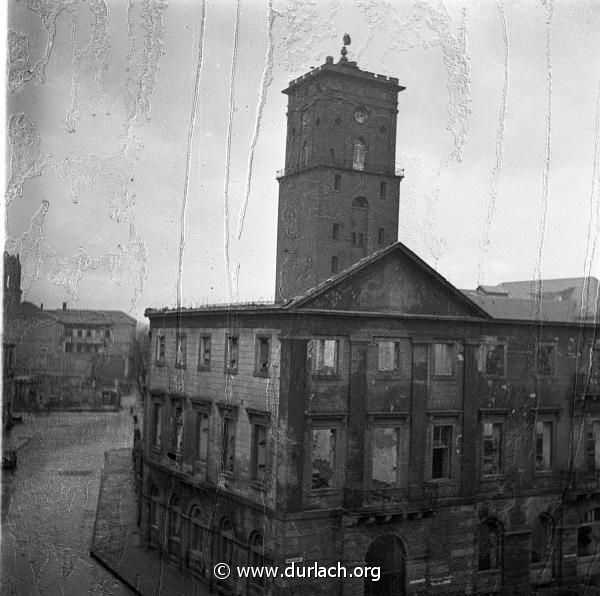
116, 543
49, 503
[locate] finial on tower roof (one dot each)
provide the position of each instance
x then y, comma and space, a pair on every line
347, 42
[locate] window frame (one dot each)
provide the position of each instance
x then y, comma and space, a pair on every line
335, 231
231, 369
541, 346
396, 371
259, 369
201, 410
180, 350
400, 427
442, 423
488, 347
317, 371
202, 365
160, 350
334, 482
452, 345
227, 450
546, 470
495, 422
492, 524
157, 425
258, 420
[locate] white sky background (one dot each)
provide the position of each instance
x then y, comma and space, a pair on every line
95, 205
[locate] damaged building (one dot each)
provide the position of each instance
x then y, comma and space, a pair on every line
373, 414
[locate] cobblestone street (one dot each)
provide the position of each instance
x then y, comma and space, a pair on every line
49, 504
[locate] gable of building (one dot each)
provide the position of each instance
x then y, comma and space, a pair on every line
392, 280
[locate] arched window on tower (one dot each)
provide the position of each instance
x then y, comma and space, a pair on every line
305, 157
359, 154
360, 220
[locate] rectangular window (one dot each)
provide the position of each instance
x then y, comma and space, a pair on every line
382, 190
361, 239
68, 347
388, 356
228, 445
381, 236
545, 360
334, 265
180, 350
204, 353
323, 457
492, 448
335, 231
88, 333
593, 447
440, 457
337, 182
384, 460
262, 358
543, 445
495, 358
79, 332
353, 238
259, 452
157, 425
160, 349
202, 421
443, 360
326, 357
232, 355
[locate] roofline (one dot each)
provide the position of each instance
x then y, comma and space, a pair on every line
360, 265
57, 314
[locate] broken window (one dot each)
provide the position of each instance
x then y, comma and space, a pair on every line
323, 457
160, 349
232, 354
180, 350
495, 357
441, 452
259, 451
228, 444
490, 545
325, 357
543, 445
384, 459
202, 429
545, 360
443, 360
204, 352
262, 356
157, 425
388, 356
359, 152
593, 446
492, 449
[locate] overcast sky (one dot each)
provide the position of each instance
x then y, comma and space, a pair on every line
497, 132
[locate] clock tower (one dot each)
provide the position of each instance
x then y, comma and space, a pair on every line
339, 191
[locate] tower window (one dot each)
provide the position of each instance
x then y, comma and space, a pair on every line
382, 190
334, 264
335, 231
359, 152
337, 183
358, 239
305, 154
381, 236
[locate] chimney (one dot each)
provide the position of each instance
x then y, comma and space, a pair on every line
42, 306
64, 306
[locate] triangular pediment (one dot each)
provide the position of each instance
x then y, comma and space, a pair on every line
393, 280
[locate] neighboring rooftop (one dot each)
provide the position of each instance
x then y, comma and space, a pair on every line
79, 317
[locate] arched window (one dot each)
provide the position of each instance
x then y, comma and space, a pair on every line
155, 516
256, 558
359, 154
198, 564
588, 532
305, 157
359, 222
490, 544
542, 534
174, 527
386, 552
226, 544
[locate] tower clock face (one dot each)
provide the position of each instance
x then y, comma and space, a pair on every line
360, 115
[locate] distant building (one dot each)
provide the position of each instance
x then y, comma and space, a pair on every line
70, 357
11, 308
381, 417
